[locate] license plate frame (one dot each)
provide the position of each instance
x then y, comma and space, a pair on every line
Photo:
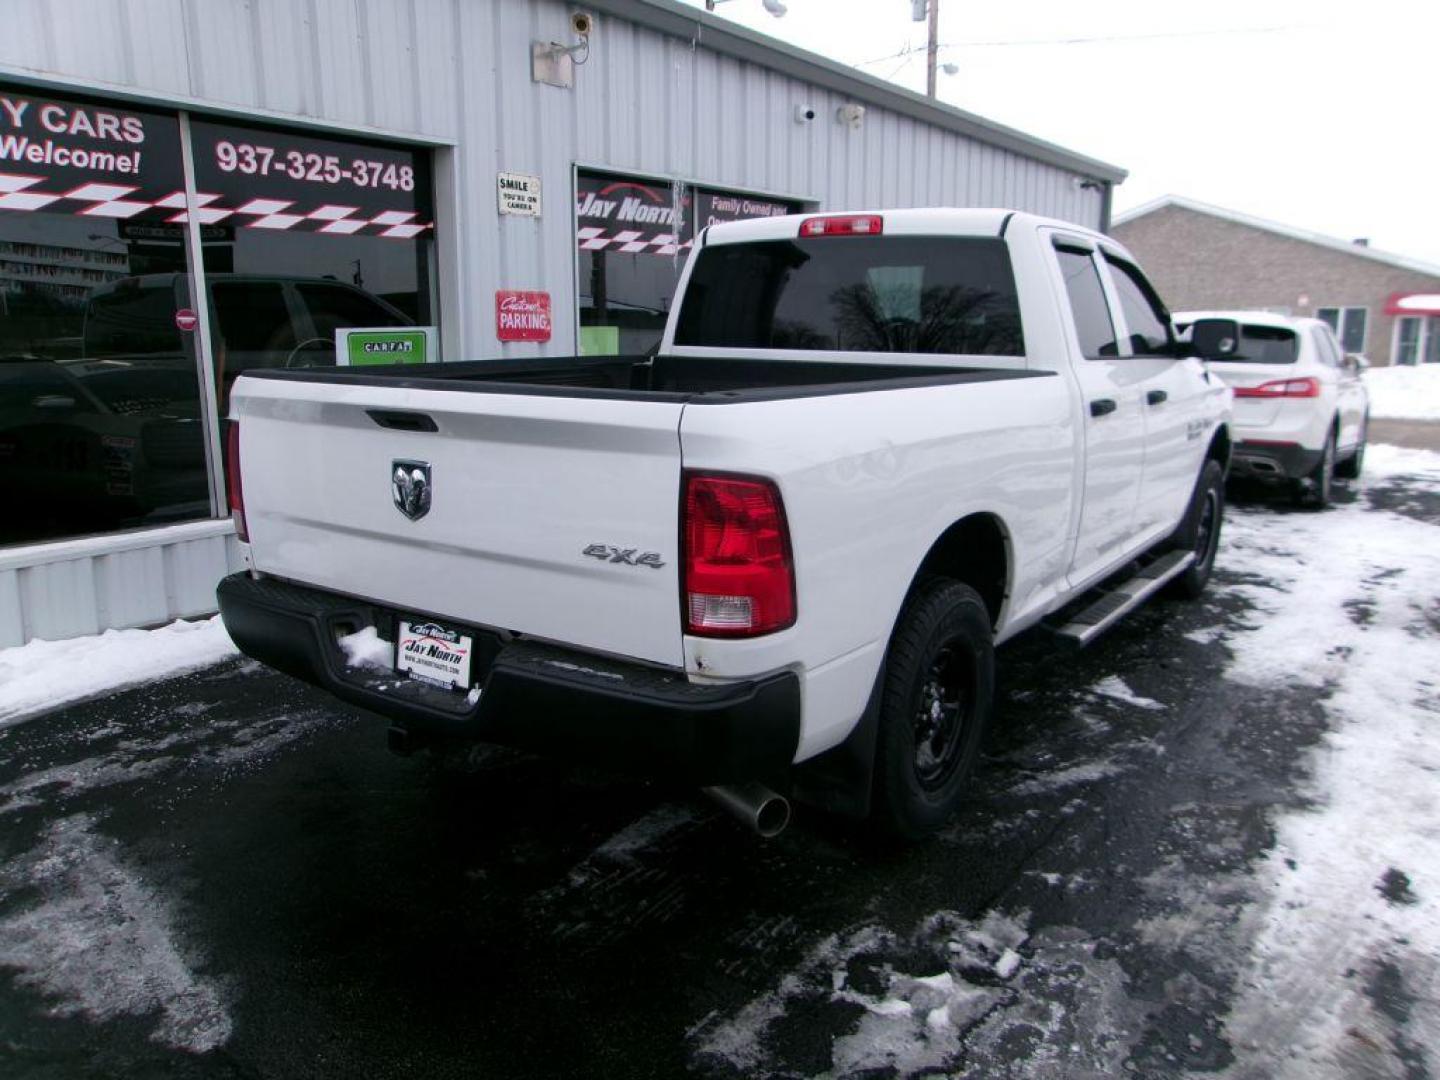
433, 653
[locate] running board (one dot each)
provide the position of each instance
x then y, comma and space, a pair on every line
1119, 602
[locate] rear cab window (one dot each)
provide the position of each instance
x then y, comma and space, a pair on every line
885, 294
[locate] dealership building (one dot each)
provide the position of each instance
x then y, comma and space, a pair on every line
351, 182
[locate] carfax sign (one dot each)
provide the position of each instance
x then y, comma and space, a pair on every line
362, 347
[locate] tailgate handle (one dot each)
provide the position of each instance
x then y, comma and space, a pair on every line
1155, 397
402, 421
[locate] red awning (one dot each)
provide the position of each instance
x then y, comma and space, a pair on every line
1413, 304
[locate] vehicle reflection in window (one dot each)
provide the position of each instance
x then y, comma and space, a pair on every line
93, 444
100, 421
256, 322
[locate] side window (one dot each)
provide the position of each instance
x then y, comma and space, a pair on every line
335, 306
253, 317
1146, 317
1093, 325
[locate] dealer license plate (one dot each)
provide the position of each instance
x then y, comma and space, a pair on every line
434, 654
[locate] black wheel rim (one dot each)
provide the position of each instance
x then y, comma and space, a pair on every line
1207, 532
942, 716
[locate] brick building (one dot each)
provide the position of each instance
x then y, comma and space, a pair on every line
1205, 257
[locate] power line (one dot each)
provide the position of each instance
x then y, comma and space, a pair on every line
910, 50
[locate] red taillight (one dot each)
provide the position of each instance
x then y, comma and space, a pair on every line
739, 577
234, 492
843, 225
1281, 388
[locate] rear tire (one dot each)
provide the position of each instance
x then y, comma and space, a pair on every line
938, 697
1351, 467
1200, 532
1313, 491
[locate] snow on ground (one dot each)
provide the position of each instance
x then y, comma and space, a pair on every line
43, 675
1115, 687
1352, 890
101, 942
1404, 392
1338, 954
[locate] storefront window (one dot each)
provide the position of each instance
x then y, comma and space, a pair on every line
314, 235
628, 246
633, 238
100, 416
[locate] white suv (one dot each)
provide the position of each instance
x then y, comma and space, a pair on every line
1301, 407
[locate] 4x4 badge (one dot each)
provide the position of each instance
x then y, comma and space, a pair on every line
410, 487
628, 556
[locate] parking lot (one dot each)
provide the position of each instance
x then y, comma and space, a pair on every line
1178, 858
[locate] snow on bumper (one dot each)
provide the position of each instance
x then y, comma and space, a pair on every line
535, 697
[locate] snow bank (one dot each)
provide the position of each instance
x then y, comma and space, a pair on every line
47, 674
1351, 894
1405, 392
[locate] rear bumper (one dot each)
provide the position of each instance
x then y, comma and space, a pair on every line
1273, 460
533, 697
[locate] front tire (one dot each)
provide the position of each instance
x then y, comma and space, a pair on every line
1200, 532
938, 697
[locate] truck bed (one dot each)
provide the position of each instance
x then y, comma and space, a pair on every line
659, 378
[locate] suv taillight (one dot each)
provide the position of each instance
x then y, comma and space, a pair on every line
1281, 388
234, 492
739, 576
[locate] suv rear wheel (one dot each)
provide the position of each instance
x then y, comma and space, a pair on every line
1350, 468
1313, 491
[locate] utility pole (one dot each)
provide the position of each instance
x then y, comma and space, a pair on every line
933, 48
920, 10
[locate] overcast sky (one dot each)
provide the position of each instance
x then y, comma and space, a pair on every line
1314, 113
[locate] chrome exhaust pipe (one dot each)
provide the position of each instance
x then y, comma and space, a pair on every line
754, 805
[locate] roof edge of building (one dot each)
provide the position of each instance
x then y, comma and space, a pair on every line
1333, 243
692, 24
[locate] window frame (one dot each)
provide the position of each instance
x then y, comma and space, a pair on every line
1396, 337
1343, 314
1114, 262
1060, 242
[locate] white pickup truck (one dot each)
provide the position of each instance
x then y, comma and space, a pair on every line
777, 556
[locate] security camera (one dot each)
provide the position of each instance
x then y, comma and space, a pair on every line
804, 114
582, 22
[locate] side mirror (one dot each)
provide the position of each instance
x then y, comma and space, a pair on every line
1355, 362
1215, 339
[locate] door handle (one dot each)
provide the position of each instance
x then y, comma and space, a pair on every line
1101, 406
1155, 397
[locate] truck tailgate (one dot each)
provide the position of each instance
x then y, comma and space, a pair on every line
521, 487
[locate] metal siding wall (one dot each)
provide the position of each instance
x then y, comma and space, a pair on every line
141, 586
460, 70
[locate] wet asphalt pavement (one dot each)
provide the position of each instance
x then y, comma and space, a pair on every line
227, 875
